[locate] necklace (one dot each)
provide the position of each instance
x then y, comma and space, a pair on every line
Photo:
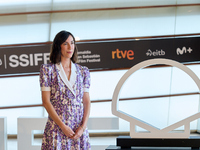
67, 69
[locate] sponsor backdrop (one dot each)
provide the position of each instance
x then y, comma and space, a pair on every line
102, 55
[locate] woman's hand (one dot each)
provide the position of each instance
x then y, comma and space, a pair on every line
67, 131
53, 114
78, 133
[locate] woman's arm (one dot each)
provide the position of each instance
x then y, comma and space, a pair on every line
86, 105
52, 113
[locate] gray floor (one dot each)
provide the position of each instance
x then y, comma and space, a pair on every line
97, 143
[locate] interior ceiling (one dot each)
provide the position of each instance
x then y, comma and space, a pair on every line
16, 6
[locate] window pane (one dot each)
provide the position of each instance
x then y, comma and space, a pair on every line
115, 23
182, 107
104, 83
20, 91
24, 29
14, 6
195, 69
187, 1
153, 111
188, 20
88, 4
13, 114
147, 82
182, 82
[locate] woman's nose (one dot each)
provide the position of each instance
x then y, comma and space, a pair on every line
70, 46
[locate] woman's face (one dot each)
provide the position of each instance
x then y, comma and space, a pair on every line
67, 48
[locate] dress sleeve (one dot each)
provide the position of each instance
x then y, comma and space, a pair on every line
45, 78
86, 79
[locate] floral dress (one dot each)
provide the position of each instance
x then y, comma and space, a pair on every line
66, 98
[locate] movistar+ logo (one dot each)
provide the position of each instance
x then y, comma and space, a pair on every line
183, 50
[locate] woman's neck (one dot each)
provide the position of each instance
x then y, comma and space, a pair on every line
66, 63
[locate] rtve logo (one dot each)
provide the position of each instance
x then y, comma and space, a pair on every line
123, 54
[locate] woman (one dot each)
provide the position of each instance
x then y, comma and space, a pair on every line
65, 96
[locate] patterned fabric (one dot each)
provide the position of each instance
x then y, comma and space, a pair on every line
68, 106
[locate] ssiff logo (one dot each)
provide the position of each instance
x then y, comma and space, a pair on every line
183, 51
123, 54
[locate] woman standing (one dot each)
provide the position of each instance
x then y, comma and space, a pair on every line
65, 96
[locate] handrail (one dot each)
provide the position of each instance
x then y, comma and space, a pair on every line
109, 100
97, 9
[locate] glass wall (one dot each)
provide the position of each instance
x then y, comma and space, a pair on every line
30, 21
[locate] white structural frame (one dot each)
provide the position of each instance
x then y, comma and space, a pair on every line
3, 133
154, 132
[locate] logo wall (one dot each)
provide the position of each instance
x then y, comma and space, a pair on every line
102, 55
125, 54
23, 60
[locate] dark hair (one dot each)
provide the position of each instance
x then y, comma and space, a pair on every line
55, 54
